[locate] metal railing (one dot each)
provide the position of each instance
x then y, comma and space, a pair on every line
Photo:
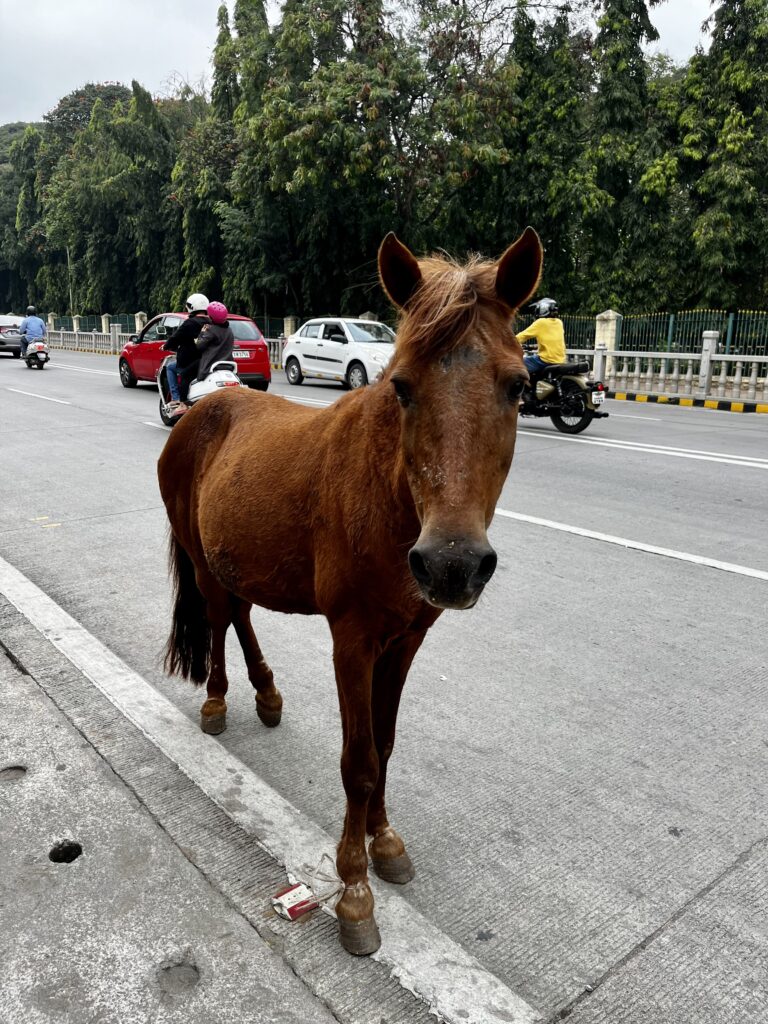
713, 376
87, 341
736, 377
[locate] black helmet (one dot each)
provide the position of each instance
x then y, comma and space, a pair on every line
31, 310
545, 307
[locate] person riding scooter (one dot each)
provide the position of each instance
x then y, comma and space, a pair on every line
214, 343
31, 328
216, 340
184, 370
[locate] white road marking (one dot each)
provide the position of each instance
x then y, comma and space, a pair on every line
158, 426
304, 401
88, 369
747, 461
45, 398
629, 416
636, 545
422, 958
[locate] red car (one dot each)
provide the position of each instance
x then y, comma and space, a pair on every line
143, 354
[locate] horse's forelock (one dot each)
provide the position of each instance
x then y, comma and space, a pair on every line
446, 305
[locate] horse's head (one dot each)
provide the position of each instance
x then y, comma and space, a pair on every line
458, 374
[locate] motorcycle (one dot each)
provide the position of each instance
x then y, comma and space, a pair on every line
222, 374
565, 392
37, 355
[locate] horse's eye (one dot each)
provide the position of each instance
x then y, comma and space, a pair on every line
402, 392
515, 389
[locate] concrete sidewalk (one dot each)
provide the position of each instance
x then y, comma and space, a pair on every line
127, 931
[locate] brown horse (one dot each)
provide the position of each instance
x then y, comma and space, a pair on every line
372, 512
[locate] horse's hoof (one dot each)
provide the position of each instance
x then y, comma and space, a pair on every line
269, 715
360, 938
398, 870
213, 724
213, 716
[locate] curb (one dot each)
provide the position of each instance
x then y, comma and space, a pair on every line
723, 404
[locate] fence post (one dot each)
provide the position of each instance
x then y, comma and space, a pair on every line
76, 324
140, 321
607, 327
709, 342
114, 330
290, 325
600, 361
51, 322
670, 332
105, 322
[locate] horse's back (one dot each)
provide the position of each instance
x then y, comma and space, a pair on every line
238, 496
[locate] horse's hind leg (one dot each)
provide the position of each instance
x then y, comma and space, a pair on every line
388, 854
213, 714
269, 703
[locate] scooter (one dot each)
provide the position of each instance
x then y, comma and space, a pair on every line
222, 374
565, 392
37, 355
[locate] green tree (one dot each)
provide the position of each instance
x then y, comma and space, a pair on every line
725, 153
225, 94
618, 128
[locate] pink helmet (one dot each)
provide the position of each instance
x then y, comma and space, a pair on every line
218, 313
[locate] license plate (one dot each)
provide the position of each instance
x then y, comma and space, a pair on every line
598, 397
239, 354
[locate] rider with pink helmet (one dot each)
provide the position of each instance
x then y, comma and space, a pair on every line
216, 340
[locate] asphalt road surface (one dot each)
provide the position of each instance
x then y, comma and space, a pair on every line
581, 763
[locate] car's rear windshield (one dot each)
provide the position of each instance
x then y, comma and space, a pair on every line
367, 331
244, 330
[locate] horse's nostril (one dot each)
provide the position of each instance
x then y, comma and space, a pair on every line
487, 567
418, 566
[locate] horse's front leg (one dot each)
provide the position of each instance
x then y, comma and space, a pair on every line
388, 854
353, 660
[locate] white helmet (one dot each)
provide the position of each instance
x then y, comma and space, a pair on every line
196, 303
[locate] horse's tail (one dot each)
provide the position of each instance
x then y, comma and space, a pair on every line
188, 651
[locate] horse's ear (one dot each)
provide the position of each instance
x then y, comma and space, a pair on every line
398, 269
519, 270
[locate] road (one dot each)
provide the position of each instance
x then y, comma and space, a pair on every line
581, 760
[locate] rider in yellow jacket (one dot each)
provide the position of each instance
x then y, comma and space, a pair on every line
548, 332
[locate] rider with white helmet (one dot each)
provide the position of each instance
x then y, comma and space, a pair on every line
183, 371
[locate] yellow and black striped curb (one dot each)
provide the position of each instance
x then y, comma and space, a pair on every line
723, 404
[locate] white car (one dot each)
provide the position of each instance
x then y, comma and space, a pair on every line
339, 348
10, 339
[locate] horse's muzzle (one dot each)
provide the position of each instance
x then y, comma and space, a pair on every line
452, 573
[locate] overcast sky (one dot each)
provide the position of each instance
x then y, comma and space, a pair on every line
81, 41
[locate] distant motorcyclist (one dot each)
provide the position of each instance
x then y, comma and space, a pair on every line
548, 331
181, 373
31, 328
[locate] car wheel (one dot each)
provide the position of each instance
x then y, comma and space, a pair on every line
356, 376
127, 378
293, 372
260, 385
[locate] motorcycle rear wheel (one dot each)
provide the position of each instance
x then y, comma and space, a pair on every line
574, 414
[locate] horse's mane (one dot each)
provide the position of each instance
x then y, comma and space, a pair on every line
447, 304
